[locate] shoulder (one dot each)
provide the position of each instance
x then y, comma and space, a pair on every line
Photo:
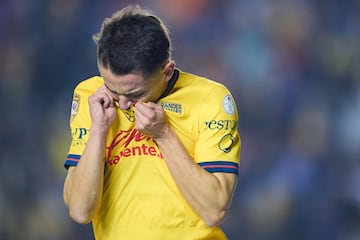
90, 85
199, 83
200, 96
204, 89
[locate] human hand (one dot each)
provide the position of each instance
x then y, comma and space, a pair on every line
150, 120
102, 108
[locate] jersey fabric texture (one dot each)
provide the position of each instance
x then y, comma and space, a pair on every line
140, 198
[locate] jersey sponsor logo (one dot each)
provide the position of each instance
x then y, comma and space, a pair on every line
80, 133
79, 136
122, 142
228, 104
226, 142
223, 124
75, 106
173, 107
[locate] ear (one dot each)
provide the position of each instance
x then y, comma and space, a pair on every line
168, 70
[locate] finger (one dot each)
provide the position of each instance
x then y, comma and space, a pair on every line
106, 98
102, 99
146, 108
108, 101
141, 113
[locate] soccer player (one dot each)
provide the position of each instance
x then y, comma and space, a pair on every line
155, 151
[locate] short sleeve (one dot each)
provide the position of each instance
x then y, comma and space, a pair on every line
80, 122
218, 146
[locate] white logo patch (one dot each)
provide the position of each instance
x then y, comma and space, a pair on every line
75, 106
228, 104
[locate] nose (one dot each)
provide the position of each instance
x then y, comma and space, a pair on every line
124, 102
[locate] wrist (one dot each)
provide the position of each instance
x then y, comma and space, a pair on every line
167, 134
99, 129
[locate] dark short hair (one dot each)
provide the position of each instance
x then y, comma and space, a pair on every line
133, 40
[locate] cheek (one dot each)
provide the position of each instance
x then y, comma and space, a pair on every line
150, 96
155, 95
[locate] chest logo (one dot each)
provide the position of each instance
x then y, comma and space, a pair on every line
172, 107
131, 143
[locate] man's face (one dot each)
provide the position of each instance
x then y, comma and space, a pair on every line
131, 88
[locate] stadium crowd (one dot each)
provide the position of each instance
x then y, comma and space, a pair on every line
292, 66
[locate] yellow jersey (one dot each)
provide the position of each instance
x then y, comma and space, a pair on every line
140, 198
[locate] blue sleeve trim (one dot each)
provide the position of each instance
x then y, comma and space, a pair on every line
72, 160
220, 166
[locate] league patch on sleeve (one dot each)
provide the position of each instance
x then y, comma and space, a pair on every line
228, 104
75, 106
226, 142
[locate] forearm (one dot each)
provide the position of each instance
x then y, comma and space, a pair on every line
84, 185
208, 194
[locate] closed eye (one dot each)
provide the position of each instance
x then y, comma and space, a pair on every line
133, 95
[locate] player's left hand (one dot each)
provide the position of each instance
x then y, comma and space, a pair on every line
150, 120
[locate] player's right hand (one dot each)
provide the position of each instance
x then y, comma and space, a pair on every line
102, 108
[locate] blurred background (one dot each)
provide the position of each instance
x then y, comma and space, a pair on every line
293, 67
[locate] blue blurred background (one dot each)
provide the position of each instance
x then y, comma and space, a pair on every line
293, 67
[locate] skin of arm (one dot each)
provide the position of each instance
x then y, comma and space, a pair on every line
209, 194
83, 185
